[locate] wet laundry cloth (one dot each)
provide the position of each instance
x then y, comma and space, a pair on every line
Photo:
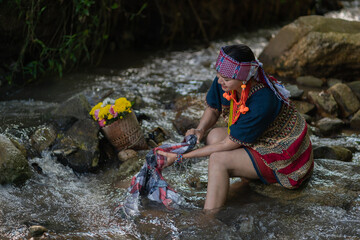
150, 182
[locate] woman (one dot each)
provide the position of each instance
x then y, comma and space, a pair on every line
266, 137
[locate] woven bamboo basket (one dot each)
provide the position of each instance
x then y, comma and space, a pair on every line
125, 133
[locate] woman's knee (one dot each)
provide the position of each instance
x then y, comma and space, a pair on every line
216, 135
216, 161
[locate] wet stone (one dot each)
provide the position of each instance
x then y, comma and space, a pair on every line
355, 88
328, 126
127, 155
333, 152
346, 99
295, 92
37, 230
14, 167
43, 138
158, 135
355, 121
309, 81
129, 168
304, 107
325, 103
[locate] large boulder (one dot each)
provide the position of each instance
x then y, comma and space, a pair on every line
77, 144
14, 167
77, 107
78, 147
317, 46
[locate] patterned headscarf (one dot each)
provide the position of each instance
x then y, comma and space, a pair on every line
244, 71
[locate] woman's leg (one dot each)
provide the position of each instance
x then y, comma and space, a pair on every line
222, 166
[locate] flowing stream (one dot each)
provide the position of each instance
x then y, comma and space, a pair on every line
81, 206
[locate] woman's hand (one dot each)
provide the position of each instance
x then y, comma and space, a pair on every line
170, 158
198, 132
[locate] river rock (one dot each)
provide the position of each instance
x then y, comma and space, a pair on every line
304, 107
310, 81
37, 230
77, 107
333, 152
158, 135
295, 92
355, 121
346, 99
127, 154
316, 46
43, 138
355, 88
328, 126
324, 102
333, 183
82, 144
14, 167
129, 168
19, 144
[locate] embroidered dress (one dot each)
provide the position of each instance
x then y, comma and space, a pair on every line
273, 133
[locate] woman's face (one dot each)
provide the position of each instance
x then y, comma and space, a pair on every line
228, 84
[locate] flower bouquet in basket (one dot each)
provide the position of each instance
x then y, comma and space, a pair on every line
119, 124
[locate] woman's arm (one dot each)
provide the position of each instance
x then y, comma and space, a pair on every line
208, 119
224, 145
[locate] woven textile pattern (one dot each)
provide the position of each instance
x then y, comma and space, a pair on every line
150, 182
286, 148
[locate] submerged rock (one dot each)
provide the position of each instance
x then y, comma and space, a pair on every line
14, 167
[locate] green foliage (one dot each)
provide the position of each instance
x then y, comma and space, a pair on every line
81, 31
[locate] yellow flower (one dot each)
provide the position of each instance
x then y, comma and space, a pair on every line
104, 112
122, 105
97, 106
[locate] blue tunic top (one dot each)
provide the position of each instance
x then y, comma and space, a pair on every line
263, 105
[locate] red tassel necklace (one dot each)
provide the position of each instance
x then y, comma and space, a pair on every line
239, 107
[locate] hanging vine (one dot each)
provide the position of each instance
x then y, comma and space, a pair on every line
82, 30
